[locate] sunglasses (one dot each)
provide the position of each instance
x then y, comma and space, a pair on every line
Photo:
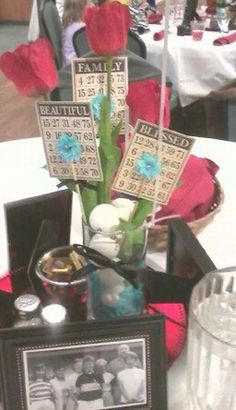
158, 287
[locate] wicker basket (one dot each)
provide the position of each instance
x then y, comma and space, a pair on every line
157, 236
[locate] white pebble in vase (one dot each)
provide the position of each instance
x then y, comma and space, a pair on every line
109, 299
104, 217
124, 207
105, 245
110, 278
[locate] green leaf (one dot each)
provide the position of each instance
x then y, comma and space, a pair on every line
179, 183
143, 209
89, 198
109, 152
133, 244
116, 132
110, 158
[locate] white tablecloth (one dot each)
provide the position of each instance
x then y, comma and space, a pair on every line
22, 176
194, 67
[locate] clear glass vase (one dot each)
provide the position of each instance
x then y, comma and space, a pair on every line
110, 295
211, 365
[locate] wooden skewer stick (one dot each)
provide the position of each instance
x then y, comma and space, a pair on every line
78, 191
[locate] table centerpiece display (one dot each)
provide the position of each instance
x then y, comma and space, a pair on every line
117, 189
114, 226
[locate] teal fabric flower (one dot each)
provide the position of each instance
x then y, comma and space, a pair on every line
96, 105
68, 147
148, 166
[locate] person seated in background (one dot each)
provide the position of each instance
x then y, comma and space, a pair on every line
72, 21
138, 10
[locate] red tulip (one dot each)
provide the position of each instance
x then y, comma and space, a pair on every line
143, 100
107, 27
31, 68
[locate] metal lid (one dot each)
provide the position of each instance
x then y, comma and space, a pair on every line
27, 304
54, 314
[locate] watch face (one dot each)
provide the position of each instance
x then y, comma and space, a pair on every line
49, 215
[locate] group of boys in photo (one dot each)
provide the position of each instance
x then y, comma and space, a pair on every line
91, 384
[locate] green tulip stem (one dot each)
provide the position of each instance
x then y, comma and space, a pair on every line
47, 97
109, 62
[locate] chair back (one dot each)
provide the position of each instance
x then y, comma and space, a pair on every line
53, 28
80, 42
134, 43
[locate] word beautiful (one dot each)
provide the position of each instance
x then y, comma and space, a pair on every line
64, 110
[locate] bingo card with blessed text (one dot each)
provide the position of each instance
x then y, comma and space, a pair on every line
174, 151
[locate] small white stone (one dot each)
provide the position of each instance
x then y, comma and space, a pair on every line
110, 278
105, 245
105, 218
124, 207
109, 299
118, 289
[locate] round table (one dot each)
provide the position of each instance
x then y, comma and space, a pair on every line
195, 67
23, 176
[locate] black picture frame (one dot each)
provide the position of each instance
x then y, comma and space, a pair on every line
21, 351
186, 263
186, 257
24, 220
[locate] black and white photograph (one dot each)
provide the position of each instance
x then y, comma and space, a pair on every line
95, 376
117, 364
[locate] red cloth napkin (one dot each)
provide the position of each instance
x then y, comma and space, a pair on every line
194, 197
143, 100
154, 18
159, 36
175, 327
5, 284
225, 40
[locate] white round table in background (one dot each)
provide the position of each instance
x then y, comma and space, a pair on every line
194, 67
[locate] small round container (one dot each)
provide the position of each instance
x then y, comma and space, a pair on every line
28, 309
55, 269
54, 314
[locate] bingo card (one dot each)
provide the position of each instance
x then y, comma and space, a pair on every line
174, 151
89, 78
58, 118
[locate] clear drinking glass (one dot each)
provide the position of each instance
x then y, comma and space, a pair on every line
223, 19
197, 28
211, 363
